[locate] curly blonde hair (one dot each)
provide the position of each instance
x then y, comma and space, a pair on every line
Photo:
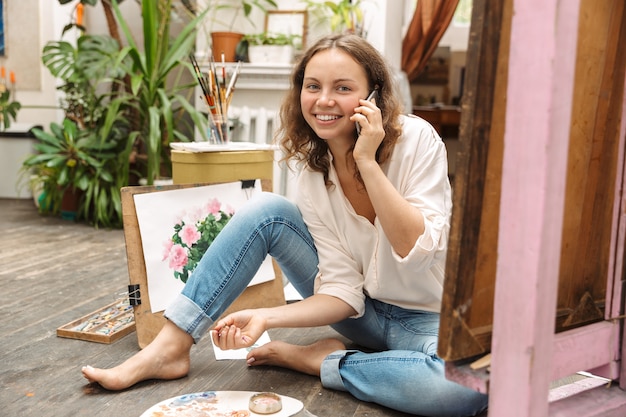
298, 140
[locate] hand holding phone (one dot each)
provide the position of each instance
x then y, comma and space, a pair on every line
372, 96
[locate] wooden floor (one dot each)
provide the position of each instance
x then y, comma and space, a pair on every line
54, 271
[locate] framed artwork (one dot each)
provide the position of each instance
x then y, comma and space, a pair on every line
289, 22
437, 70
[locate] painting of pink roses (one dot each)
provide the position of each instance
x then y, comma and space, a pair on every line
193, 235
177, 227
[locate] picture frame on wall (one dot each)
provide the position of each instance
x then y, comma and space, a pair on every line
437, 70
289, 22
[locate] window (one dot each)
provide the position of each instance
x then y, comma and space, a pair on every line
463, 14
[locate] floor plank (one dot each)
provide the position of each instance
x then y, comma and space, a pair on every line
54, 271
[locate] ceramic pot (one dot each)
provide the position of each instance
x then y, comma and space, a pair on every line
225, 43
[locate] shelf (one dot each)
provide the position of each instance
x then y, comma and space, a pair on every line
445, 119
257, 76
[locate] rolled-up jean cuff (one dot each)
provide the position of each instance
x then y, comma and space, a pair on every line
329, 371
186, 314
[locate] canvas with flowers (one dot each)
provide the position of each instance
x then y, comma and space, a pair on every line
177, 225
193, 234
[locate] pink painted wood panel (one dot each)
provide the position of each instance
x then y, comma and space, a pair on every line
598, 402
590, 348
543, 38
586, 348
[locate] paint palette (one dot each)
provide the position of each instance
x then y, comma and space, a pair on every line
104, 325
219, 404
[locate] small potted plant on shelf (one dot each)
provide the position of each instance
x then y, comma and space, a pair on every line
225, 42
272, 48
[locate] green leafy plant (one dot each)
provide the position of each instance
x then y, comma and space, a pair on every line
8, 109
86, 70
119, 101
154, 101
70, 159
344, 16
99, 116
192, 237
267, 38
142, 92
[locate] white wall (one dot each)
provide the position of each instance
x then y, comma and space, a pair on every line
456, 37
37, 102
96, 24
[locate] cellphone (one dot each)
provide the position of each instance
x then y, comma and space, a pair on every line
372, 96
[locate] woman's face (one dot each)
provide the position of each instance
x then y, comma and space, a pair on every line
333, 84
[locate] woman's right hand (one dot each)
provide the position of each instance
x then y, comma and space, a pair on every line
238, 330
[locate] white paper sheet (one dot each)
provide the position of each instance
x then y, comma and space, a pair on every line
239, 353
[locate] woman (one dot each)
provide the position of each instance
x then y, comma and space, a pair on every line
365, 245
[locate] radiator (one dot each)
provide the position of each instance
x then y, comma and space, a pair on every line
258, 125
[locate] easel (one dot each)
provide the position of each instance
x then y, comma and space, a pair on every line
538, 220
148, 324
194, 171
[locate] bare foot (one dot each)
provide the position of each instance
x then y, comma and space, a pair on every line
167, 357
307, 359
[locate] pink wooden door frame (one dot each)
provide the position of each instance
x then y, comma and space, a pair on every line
526, 354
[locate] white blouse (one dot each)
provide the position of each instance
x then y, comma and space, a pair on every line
355, 257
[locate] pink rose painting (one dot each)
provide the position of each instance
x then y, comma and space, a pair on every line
177, 227
193, 234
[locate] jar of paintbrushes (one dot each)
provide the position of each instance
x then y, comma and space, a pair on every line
217, 88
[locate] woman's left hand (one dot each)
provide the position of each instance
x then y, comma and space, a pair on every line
372, 132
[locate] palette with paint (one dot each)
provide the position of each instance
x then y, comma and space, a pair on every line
104, 325
221, 404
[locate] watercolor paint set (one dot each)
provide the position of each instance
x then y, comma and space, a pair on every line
105, 325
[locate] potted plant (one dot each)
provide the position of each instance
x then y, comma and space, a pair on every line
119, 104
147, 86
272, 48
156, 103
77, 174
225, 42
88, 155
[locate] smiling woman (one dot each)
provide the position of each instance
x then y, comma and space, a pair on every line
329, 97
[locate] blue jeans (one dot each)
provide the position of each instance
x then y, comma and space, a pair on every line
403, 372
